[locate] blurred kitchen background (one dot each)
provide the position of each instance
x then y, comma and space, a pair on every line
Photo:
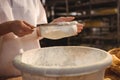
101, 18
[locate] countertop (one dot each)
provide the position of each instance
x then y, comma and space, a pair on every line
15, 78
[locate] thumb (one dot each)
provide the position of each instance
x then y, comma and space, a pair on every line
31, 26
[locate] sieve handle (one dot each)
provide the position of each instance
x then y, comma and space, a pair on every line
43, 25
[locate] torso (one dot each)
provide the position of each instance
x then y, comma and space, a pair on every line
12, 45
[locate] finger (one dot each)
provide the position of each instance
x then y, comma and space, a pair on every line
64, 19
31, 26
81, 25
70, 18
79, 29
67, 18
23, 33
27, 31
27, 27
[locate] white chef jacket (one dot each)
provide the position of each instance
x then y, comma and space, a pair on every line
30, 11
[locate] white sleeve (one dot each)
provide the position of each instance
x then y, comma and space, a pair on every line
5, 11
42, 18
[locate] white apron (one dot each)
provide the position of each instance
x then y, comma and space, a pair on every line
30, 11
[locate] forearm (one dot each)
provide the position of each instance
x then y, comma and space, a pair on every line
4, 28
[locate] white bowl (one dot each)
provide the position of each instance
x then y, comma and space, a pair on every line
63, 63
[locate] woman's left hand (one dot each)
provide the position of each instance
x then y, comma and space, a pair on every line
67, 19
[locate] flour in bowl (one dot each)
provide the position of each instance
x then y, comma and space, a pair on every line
62, 57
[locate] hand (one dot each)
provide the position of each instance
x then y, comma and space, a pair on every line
67, 19
21, 28
79, 27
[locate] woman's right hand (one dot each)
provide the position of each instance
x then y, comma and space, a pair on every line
21, 28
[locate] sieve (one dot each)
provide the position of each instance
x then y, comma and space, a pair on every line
58, 24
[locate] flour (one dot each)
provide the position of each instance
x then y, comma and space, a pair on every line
62, 57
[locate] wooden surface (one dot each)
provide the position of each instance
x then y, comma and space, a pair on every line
16, 78
108, 77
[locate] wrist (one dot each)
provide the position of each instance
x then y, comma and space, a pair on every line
10, 26
5, 28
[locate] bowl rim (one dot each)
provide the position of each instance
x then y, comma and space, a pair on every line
64, 71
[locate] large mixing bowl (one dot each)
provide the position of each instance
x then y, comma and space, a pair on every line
63, 63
